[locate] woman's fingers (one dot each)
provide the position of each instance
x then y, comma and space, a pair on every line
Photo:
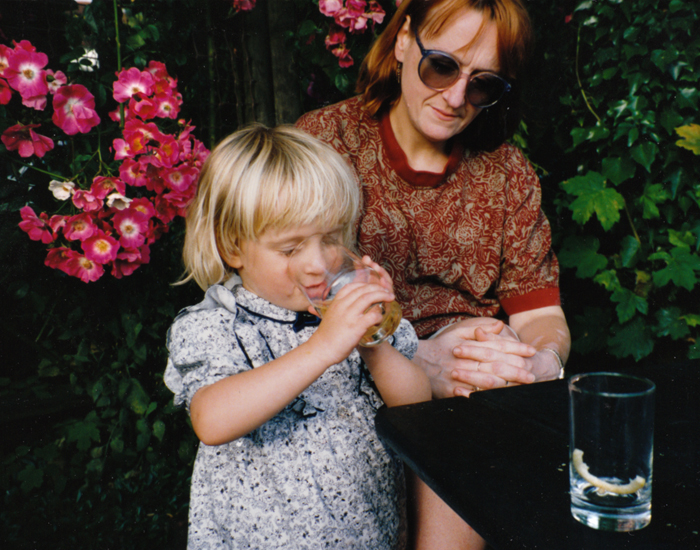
507, 351
492, 375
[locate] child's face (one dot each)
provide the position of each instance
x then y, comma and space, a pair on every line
263, 264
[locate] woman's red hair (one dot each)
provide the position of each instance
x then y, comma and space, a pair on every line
380, 88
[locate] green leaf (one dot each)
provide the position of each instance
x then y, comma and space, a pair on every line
594, 133
670, 323
688, 97
682, 240
692, 320
138, 399
159, 429
645, 154
680, 269
582, 253
83, 433
628, 304
633, 339
694, 351
608, 279
136, 41
31, 478
117, 445
653, 194
307, 28
690, 137
618, 169
594, 197
629, 248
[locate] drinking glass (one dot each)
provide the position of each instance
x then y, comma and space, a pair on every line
611, 450
320, 268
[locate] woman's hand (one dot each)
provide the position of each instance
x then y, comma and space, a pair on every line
478, 353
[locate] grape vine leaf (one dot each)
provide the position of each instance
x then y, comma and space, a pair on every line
691, 137
594, 197
680, 269
632, 339
628, 304
618, 169
582, 253
671, 323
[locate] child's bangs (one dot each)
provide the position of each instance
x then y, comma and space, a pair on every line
319, 190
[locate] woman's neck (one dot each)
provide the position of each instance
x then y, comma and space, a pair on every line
422, 155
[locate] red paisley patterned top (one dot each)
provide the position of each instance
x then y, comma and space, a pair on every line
458, 244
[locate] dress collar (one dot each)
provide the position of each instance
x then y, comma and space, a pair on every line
259, 306
398, 161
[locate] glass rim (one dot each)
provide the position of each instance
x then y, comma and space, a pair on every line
649, 389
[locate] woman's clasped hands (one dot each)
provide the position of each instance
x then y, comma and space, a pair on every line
475, 354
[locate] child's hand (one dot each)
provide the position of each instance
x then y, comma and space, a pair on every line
386, 281
348, 318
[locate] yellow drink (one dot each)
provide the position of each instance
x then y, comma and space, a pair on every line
378, 333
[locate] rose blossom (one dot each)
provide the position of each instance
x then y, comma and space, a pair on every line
118, 201
62, 190
25, 73
5, 92
58, 258
79, 228
100, 248
132, 226
74, 109
86, 201
25, 141
55, 80
330, 7
130, 260
86, 270
103, 185
131, 82
5, 54
36, 227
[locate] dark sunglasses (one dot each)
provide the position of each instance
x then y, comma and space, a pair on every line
439, 70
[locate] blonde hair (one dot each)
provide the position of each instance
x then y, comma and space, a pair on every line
263, 178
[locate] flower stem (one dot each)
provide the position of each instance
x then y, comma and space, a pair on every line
119, 57
116, 36
54, 176
578, 77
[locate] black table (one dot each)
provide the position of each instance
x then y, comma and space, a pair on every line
500, 460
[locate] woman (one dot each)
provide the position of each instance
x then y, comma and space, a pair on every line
451, 210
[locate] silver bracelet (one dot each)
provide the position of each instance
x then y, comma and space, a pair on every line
561, 363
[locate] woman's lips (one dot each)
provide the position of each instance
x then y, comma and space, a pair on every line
444, 115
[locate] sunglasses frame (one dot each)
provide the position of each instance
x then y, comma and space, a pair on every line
425, 53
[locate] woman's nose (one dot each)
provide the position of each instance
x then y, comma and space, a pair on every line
456, 95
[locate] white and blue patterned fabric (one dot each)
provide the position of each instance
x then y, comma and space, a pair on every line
316, 475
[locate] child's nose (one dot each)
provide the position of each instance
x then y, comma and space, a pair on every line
316, 260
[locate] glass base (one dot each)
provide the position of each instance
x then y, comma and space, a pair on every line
622, 520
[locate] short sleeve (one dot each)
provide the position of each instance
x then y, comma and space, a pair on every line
405, 339
203, 349
529, 268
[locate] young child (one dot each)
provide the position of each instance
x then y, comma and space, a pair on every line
289, 457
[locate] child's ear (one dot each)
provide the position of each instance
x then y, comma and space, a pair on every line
233, 258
